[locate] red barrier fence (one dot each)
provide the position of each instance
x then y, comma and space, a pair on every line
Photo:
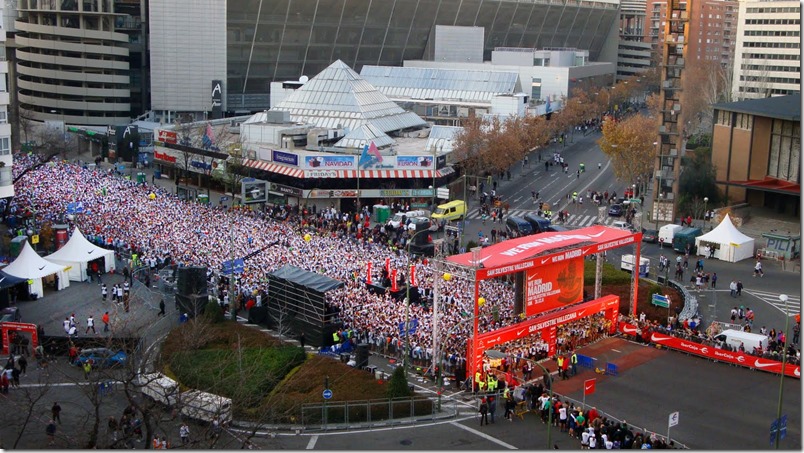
711, 352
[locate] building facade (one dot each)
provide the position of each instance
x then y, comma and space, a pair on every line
6, 160
291, 38
712, 29
81, 62
756, 150
633, 51
768, 49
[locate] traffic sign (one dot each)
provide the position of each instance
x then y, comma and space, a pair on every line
327, 394
225, 198
672, 420
442, 193
35, 239
660, 301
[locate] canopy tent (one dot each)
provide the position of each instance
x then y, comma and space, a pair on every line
7, 281
77, 252
730, 244
32, 267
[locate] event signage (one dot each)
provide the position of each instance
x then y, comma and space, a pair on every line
549, 321
713, 353
553, 286
321, 174
164, 156
414, 161
284, 158
286, 190
330, 162
164, 136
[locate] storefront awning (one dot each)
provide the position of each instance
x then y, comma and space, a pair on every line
274, 168
769, 184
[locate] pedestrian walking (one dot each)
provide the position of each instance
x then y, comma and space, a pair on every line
104, 292
90, 325
484, 411
50, 430
105, 319
758, 269
739, 287
55, 411
87, 369
301, 340
161, 307
184, 434
23, 363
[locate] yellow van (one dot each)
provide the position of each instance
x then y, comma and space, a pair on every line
454, 210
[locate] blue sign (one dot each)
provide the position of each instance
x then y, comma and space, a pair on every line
412, 326
660, 301
330, 162
778, 428
327, 394
239, 266
225, 198
284, 158
75, 208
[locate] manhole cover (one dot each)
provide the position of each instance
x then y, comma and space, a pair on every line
406, 442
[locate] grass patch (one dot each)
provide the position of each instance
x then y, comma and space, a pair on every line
612, 275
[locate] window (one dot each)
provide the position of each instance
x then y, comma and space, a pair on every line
784, 160
743, 121
723, 118
536, 89
5, 146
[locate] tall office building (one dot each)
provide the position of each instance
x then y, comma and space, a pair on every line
6, 160
81, 62
283, 40
633, 51
711, 31
768, 51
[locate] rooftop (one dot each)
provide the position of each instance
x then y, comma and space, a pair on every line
780, 107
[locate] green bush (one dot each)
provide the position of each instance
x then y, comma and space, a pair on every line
213, 312
611, 274
398, 386
470, 245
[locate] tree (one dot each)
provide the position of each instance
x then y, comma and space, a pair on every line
398, 386
704, 83
698, 181
469, 144
213, 312
629, 145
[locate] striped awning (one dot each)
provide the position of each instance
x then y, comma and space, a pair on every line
274, 168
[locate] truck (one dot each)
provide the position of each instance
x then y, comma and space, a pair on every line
667, 232
734, 338
159, 388
627, 264
684, 237
205, 406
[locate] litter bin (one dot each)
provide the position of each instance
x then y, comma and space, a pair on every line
140, 177
157, 174
203, 198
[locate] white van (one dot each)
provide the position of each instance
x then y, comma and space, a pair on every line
621, 225
749, 340
627, 264
159, 388
205, 406
401, 218
667, 232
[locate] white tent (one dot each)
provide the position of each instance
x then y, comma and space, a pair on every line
77, 252
731, 246
29, 265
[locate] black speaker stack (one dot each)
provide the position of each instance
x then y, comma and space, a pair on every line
362, 356
191, 290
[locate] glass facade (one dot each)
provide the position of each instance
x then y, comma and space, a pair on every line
291, 38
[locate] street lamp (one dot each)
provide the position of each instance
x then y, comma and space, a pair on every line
783, 300
657, 213
407, 303
706, 200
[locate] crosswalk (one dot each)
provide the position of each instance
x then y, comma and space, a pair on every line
575, 220
791, 307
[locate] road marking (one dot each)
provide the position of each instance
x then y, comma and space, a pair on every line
483, 435
615, 350
311, 444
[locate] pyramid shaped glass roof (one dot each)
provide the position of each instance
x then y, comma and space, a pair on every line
339, 97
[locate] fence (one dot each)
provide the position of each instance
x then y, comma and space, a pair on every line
383, 412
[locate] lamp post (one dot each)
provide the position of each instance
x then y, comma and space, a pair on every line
407, 304
783, 300
657, 213
706, 200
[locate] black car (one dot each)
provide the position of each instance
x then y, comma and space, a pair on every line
10, 314
616, 210
651, 236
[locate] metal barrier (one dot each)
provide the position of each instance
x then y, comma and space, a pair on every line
611, 369
384, 412
585, 361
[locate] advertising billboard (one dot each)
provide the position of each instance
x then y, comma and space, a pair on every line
414, 162
553, 286
330, 162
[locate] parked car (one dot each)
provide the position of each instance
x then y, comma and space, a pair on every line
650, 236
10, 314
623, 226
101, 357
616, 210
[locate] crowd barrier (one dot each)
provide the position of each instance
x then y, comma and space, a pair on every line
711, 352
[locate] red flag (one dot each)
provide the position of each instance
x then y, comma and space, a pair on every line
388, 265
412, 275
368, 272
393, 280
589, 386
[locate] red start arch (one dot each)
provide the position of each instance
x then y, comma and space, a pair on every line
18, 327
550, 275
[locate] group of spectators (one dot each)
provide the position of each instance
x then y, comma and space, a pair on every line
154, 224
